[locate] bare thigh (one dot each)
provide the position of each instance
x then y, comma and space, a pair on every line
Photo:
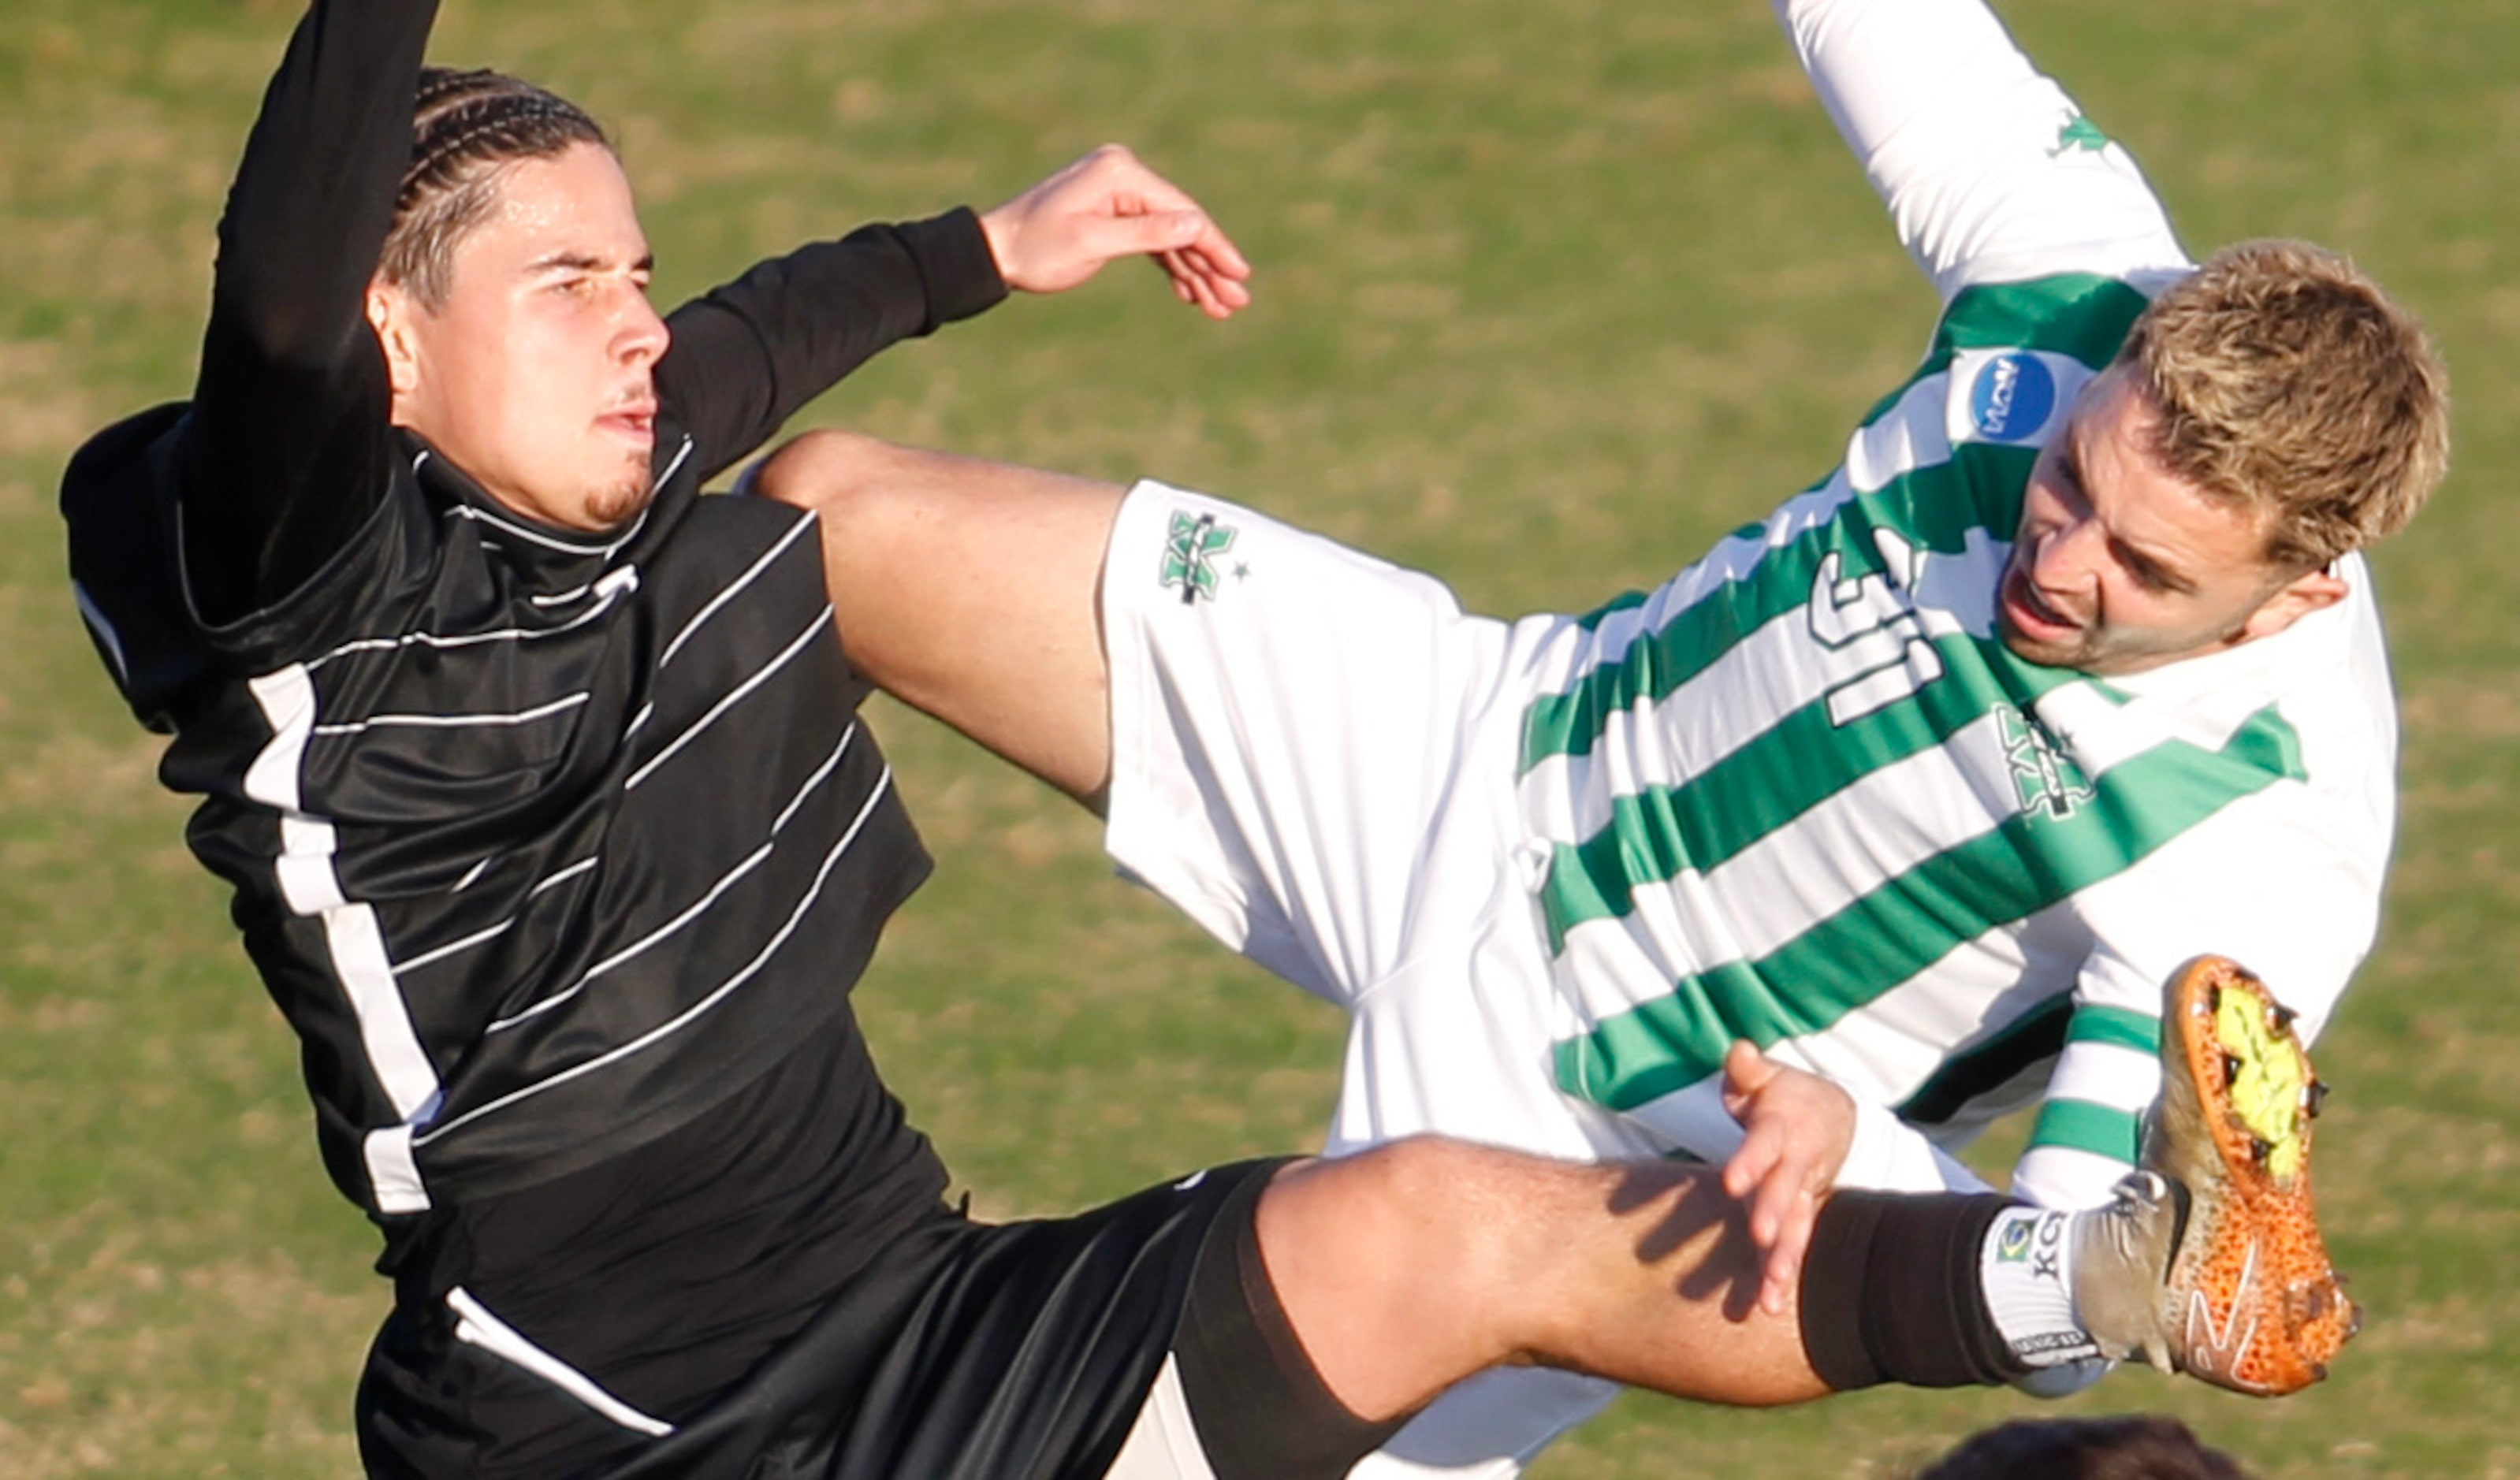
966, 588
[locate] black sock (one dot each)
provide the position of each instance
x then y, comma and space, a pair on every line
1891, 1293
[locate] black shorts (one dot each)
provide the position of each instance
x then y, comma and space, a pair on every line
980, 1352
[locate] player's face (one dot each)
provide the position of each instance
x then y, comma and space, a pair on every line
536, 377
2120, 567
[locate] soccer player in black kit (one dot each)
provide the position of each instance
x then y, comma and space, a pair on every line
556, 837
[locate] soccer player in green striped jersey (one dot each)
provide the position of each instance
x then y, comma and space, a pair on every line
2068, 672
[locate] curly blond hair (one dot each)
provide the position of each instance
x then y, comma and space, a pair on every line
2289, 384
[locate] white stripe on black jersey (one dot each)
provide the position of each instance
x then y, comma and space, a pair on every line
477, 712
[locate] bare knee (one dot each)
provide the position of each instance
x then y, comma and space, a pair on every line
1008, 653
886, 512
1470, 1207
1427, 1241
844, 477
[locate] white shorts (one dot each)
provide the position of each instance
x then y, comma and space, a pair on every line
1312, 756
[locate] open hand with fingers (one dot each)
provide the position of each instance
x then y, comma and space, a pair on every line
1108, 206
1797, 1128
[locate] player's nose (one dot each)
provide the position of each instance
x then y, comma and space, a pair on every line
640, 334
2069, 555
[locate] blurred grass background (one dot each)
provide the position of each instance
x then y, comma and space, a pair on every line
1549, 298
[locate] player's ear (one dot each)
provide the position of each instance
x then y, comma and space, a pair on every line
391, 310
2298, 597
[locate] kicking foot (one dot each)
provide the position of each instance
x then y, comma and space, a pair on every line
2211, 1262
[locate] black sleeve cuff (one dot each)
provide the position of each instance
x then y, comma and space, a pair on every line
953, 261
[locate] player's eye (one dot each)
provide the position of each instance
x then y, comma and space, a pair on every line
2069, 482
2145, 573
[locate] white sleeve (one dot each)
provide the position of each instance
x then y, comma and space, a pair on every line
2281, 899
1990, 172
1885, 1155
1890, 1155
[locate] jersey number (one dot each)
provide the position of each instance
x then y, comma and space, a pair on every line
1871, 632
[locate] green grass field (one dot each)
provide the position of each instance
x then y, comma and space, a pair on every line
1549, 297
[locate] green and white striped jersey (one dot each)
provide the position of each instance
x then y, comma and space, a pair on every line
1804, 794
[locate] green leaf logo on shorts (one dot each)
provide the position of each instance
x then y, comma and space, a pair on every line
2081, 133
1190, 550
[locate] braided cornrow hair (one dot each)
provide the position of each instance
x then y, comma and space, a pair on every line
465, 125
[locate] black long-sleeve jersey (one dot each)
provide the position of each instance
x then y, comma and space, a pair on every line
552, 847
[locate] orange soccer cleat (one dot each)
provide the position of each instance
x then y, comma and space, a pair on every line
2211, 1263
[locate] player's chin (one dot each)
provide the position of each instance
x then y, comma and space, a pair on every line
2045, 653
620, 498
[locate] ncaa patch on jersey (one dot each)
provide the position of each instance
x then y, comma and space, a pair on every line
2011, 397
2014, 396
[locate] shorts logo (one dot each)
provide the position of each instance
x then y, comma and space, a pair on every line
2013, 397
1190, 550
2012, 1246
2079, 132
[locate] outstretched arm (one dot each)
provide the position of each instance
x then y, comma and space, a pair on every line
1108, 206
1989, 170
747, 356
750, 354
288, 442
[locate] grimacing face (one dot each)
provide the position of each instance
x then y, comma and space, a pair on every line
536, 376
2119, 566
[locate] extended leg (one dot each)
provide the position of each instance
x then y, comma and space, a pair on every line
1408, 1267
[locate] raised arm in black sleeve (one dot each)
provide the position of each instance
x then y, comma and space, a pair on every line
749, 355
288, 448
